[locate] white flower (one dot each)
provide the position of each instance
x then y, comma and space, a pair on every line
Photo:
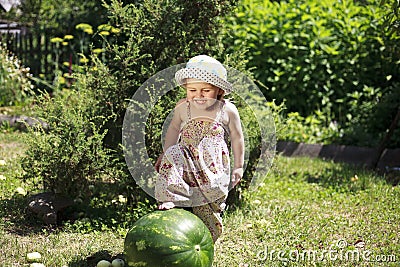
21, 191
122, 199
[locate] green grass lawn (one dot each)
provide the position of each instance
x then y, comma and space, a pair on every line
307, 212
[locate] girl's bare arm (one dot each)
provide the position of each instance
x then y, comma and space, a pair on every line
172, 134
237, 141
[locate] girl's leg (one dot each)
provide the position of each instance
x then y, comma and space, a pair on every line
210, 214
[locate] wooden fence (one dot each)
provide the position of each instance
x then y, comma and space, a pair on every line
35, 50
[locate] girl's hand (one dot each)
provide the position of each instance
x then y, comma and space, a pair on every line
237, 175
158, 162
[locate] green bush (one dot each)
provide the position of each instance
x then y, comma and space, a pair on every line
83, 142
368, 126
328, 56
310, 129
15, 84
66, 155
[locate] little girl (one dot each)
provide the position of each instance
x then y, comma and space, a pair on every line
194, 170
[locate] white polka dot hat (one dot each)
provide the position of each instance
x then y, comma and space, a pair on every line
206, 69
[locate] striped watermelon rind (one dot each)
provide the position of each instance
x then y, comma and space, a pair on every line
172, 238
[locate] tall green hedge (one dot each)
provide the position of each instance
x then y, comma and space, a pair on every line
334, 57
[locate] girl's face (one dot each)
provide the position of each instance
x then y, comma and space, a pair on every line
202, 94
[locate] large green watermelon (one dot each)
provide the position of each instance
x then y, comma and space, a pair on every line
172, 238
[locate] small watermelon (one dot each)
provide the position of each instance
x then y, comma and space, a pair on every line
172, 238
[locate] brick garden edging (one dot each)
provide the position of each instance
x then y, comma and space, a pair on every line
362, 156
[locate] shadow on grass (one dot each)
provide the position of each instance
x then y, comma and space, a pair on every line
16, 219
104, 210
343, 177
93, 259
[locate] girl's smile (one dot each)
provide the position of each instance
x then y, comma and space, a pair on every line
200, 101
202, 94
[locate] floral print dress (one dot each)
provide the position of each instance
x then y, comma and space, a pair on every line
195, 172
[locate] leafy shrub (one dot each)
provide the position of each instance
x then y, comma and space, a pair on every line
15, 84
314, 128
371, 120
320, 55
86, 124
313, 53
67, 154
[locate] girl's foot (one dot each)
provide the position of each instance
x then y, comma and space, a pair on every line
166, 206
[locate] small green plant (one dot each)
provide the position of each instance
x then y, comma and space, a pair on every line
315, 128
15, 83
67, 153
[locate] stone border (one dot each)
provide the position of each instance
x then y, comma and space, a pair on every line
361, 156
